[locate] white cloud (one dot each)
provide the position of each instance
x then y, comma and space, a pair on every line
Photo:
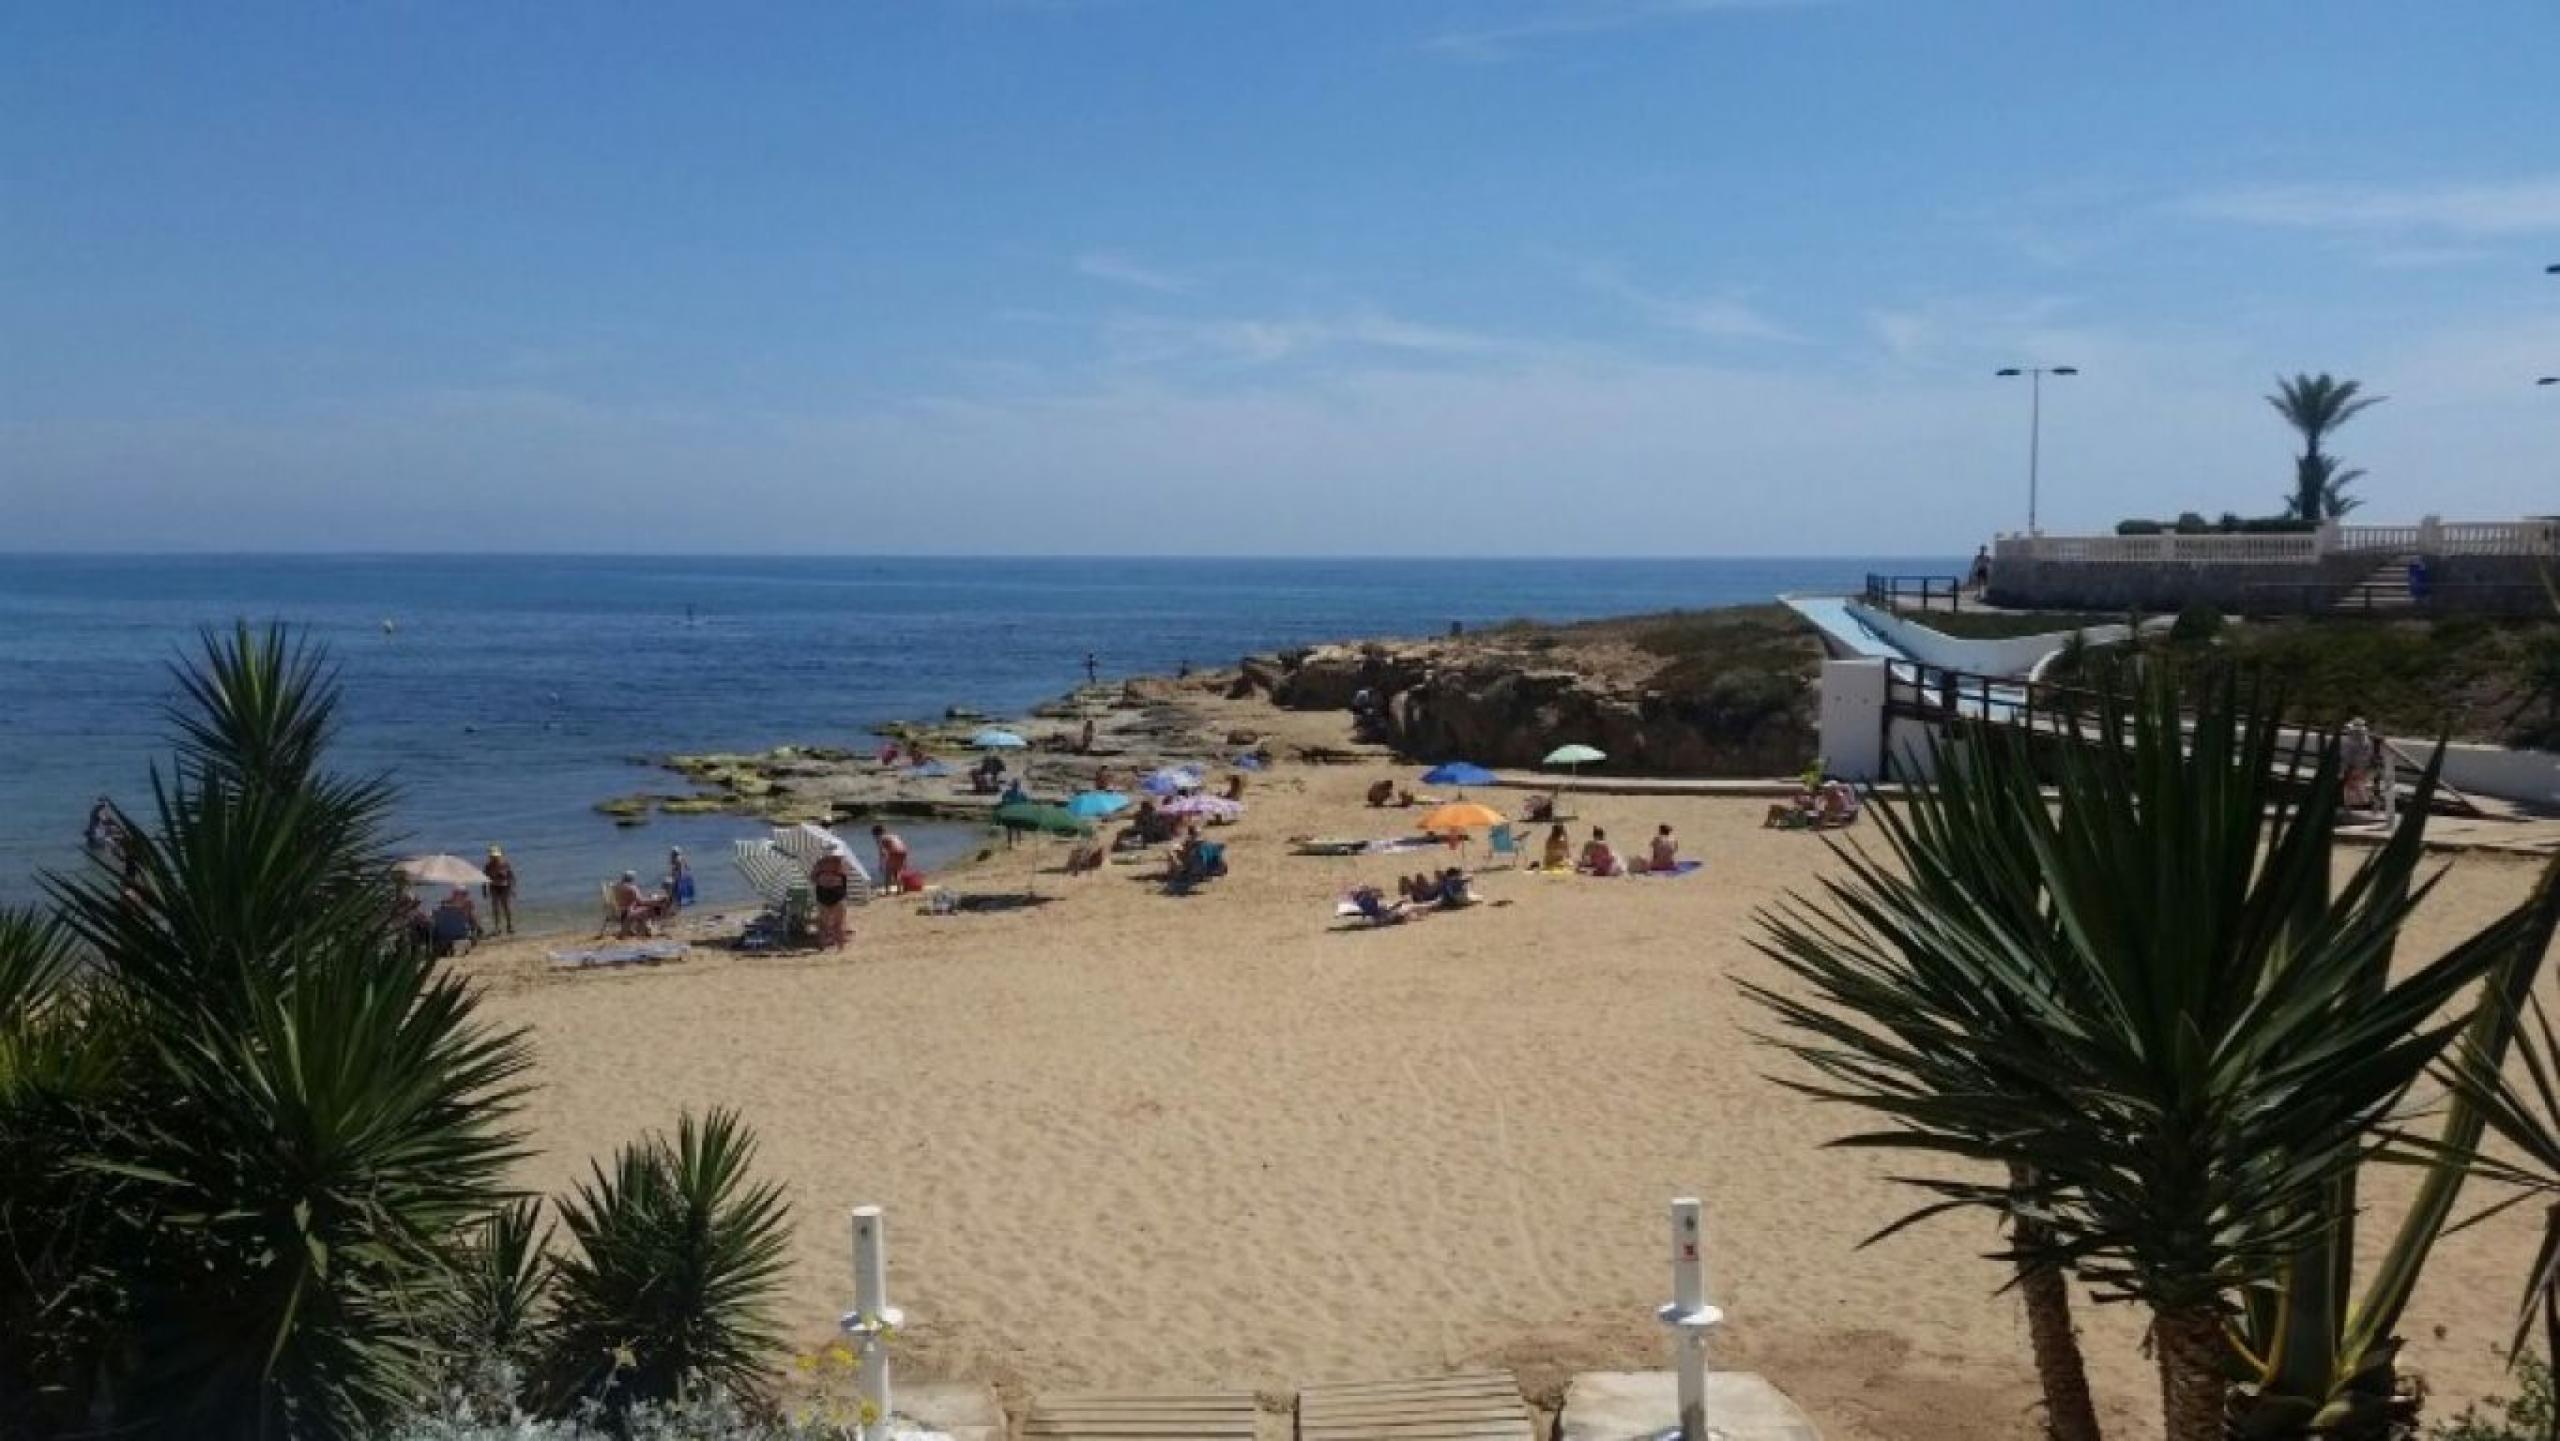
1148, 340
2526, 206
1117, 269
1723, 317
1588, 17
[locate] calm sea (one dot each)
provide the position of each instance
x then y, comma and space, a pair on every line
509, 694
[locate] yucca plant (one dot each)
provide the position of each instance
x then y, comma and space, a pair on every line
675, 1260
2520, 1104
307, 1113
2316, 1356
2196, 1086
1958, 847
61, 1064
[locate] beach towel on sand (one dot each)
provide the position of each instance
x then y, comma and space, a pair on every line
1681, 868
644, 952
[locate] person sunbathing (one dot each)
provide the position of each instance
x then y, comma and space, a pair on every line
1559, 852
1453, 891
1666, 849
1371, 903
1793, 814
1381, 793
1598, 859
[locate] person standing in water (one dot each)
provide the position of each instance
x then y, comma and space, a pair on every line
1092, 669
501, 890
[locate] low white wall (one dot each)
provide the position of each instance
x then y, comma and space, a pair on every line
2529, 777
2014, 656
1853, 719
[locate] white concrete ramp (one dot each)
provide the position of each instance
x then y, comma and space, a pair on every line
1645, 1406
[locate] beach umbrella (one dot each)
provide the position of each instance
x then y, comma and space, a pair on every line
1040, 818
1094, 805
1043, 818
1573, 758
1458, 773
806, 842
1214, 807
992, 739
441, 871
1459, 816
1170, 780
770, 873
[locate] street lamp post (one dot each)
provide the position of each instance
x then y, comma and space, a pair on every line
2035, 375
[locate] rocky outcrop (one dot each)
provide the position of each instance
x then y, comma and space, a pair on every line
1436, 701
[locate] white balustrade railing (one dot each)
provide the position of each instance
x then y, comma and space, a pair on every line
2428, 537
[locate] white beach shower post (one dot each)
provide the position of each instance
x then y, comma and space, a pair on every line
872, 1317
1689, 1317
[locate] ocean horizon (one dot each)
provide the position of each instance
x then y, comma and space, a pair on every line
507, 694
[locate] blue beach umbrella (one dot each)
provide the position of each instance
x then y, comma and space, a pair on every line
992, 739
1171, 780
1094, 805
1458, 773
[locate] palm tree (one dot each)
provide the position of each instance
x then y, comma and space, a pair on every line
2316, 405
2190, 1040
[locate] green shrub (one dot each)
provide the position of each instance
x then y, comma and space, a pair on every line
2527, 1416
2198, 624
678, 1256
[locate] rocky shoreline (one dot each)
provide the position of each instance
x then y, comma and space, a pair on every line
1710, 694
1138, 725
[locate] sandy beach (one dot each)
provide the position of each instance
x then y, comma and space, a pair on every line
1134, 1141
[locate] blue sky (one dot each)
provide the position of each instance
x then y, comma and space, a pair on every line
1323, 276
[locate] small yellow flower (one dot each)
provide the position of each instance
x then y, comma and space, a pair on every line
805, 1362
870, 1412
841, 1354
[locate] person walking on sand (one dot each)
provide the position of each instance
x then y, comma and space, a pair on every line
830, 881
893, 858
2355, 763
501, 890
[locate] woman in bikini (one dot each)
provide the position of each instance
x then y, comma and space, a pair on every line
829, 881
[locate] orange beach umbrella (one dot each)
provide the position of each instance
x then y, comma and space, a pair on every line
1460, 816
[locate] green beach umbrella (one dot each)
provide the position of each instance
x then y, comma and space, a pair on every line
1574, 757
1041, 818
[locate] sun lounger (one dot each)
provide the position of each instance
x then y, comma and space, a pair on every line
1368, 905
642, 953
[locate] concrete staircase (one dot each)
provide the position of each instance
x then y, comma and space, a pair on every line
2384, 589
